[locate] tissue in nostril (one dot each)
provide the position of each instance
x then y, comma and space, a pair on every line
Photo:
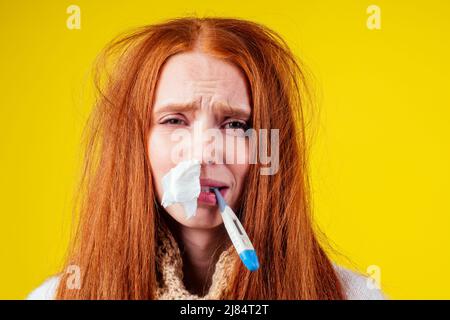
182, 185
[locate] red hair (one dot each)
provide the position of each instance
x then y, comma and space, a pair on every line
115, 240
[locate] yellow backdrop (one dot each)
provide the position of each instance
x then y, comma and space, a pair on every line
381, 152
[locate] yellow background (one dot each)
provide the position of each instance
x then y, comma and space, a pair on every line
381, 154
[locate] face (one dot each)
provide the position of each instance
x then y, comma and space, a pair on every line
207, 101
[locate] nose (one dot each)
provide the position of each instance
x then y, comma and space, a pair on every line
207, 143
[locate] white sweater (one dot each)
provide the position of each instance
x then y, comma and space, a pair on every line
355, 285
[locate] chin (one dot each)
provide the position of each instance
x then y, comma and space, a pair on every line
206, 217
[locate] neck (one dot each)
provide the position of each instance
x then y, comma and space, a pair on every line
200, 250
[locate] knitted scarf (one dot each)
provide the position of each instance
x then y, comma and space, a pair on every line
170, 270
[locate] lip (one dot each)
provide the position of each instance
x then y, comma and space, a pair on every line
209, 197
212, 183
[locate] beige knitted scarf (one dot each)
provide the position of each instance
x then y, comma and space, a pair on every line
170, 269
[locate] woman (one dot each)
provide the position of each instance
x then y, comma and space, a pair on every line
206, 73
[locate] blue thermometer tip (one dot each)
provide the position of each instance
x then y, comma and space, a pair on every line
250, 259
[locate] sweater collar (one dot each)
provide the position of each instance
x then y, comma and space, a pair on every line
170, 270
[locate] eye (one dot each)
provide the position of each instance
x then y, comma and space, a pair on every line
173, 121
236, 125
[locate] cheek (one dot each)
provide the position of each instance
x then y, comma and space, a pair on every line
236, 150
239, 151
239, 172
159, 153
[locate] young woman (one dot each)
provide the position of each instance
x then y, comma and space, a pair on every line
229, 75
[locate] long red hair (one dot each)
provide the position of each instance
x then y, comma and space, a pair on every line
115, 240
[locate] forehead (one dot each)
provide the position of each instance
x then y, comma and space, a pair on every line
187, 77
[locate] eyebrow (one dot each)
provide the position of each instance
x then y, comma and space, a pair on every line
226, 109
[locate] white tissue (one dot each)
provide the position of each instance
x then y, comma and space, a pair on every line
182, 185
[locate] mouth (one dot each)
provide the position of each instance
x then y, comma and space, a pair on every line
207, 195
